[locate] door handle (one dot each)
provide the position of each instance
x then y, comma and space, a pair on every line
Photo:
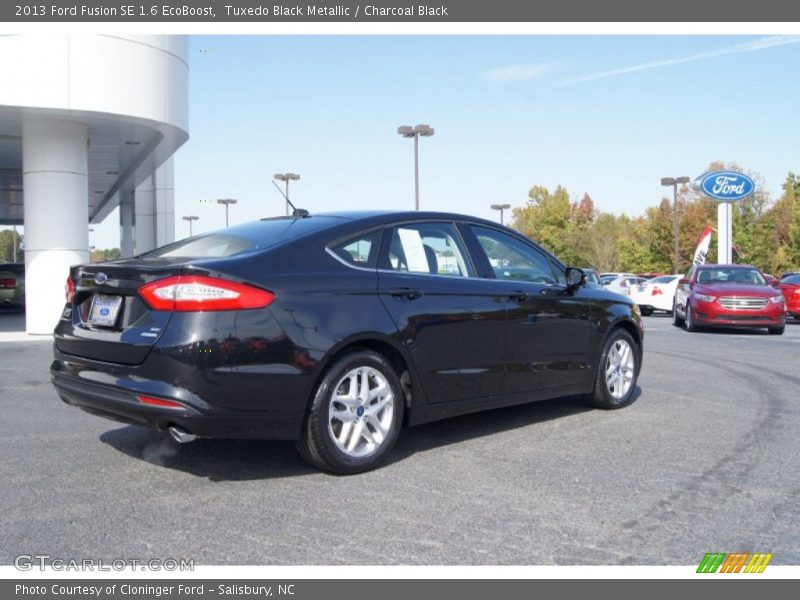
519, 296
406, 292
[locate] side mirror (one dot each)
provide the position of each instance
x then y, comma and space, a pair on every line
776, 284
683, 281
575, 277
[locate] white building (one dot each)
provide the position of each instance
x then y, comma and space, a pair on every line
87, 123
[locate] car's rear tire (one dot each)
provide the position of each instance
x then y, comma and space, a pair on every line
355, 415
617, 372
777, 330
676, 320
646, 312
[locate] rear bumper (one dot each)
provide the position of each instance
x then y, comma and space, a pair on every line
119, 402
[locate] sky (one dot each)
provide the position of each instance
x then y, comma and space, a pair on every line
606, 115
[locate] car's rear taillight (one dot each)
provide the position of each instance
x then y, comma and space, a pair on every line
69, 290
187, 293
657, 291
8, 283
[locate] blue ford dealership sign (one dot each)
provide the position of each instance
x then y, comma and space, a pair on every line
725, 186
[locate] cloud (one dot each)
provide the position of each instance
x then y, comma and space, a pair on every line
759, 44
513, 73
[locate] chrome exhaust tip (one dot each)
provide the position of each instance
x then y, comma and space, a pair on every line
181, 435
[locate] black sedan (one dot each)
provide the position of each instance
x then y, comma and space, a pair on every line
336, 330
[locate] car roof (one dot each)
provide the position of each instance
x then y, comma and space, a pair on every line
402, 215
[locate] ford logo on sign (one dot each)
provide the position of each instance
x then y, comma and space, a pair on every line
100, 278
725, 186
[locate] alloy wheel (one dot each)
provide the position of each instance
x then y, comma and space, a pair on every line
361, 410
619, 369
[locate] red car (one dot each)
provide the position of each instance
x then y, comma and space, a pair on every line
728, 296
790, 286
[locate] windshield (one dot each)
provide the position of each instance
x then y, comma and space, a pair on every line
664, 279
736, 276
248, 237
792, 279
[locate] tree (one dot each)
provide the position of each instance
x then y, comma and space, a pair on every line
546, 219
7, 246
765, 233
104, 255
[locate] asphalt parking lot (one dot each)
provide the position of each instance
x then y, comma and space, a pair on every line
705, 460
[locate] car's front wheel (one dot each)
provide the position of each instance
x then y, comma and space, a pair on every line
777, 330
676, 320
355, 414
689, 321
615, 384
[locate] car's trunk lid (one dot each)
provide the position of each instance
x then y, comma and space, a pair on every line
107, 319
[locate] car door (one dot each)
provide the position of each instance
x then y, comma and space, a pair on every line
451, 321
550, 327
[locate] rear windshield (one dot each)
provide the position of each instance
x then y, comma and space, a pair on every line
240, 239
793, 279
664, 279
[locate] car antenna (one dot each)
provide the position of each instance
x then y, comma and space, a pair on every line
296, 212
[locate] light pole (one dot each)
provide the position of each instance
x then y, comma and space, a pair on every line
189, 219
501, 208
14, 246
674, 181
286, 177
414, 132
227, 202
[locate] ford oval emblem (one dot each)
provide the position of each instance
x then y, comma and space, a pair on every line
100, 278
725, 186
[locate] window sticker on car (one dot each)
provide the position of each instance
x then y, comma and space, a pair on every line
414, 250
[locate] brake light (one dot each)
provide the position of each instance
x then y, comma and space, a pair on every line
159, 402
69, 290
8, 282
657, 292
187, 293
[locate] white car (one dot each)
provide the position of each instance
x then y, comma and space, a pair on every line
622, 285
606, 278
655, 294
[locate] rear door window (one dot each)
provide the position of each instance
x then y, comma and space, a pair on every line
427, 248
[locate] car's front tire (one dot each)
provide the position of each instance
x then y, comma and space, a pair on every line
777, 330
355, 415
676, 320
618, 370
689, 320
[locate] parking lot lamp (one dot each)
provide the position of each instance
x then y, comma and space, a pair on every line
189, 219
414, 132
286, 177
501, 208
227, 202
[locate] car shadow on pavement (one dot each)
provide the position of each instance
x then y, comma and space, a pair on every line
243, 460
